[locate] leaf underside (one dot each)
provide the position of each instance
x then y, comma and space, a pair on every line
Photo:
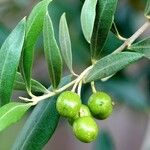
142, 47
88, 14
147, 9
65, 42
111, 64
52, 52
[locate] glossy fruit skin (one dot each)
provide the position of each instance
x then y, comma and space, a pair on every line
100, 105
85, 129
68, 104
83, 112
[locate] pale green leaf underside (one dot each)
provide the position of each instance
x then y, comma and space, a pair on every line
52, 52
111, 64
33, 30
11, 113
147, 9
88, 14
10, 53
104, 17
65, 42
35, 85
142, 47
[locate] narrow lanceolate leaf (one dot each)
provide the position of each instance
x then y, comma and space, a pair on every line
40, 126
52, 52
33, 29
142, 47
88, 14
104, 17
11, 113
65, 43
35, 85
111, 64
10, 53
147, 9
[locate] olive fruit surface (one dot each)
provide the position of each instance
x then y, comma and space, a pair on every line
85, 129
68, 104
100, 105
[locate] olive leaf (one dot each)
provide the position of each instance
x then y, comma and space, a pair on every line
52, 52
65, 42
35, 85
142, 47
111, 64
33, 29
147, 9
11, 113
88, 14
41, 124
10, 53
104, 18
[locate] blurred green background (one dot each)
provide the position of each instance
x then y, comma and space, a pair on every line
129, 126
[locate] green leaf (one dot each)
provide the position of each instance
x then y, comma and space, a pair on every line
33, 29
40, 126
10, 53
111, 64
88, 14
65, 43
52, 52
142, 47
103, 22
147, 9
11, 113
35, 85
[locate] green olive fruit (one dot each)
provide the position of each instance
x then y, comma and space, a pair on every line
83, 112
85, 129
68, 104
100, 105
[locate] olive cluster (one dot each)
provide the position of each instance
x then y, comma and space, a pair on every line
80, 116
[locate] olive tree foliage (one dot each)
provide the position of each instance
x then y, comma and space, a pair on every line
16, 62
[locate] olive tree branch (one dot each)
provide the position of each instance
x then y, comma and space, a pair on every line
75, 82
130, 40
79, 78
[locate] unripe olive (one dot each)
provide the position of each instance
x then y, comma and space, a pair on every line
85, 129
83, 112
68, 104
100, 105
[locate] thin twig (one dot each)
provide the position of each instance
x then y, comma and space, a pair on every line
75, 82
93, 87
130, 40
